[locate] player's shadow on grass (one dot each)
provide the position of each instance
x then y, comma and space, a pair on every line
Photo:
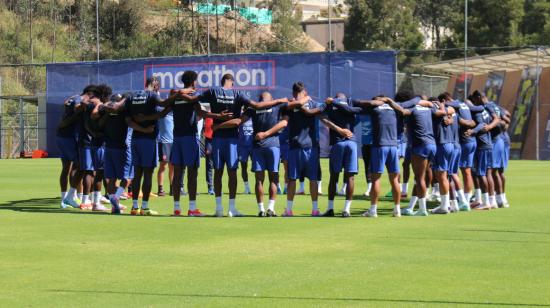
300, 298
41, 205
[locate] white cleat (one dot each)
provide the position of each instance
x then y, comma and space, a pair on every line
219, 213
234, 213
440, 210
342, 192
100, 208
396, 212
104, 200
72, 203
369, 213
505, 205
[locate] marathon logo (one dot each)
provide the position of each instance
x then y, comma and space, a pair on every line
249, 75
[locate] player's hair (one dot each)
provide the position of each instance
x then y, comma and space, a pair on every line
445, 96
340, 95
90, 88
225, 78
104, 92
149, 81
403, 96
117, 97
433, 99
189, 77
298, 87
477, 94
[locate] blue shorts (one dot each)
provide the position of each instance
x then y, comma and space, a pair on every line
144, 152
303, 162
85, 162
98, 154
266, 159
483, 161
186, 152
387, 156
343, 155
115, 161
506, 155
443, 157
455, 160
68, 148
499, 154
164, 151
224, 152
468, 151
284, 151
244, 152
426, 151
128, 167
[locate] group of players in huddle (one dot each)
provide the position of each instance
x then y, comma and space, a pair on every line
111, 139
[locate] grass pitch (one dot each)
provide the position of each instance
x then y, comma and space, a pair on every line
54, 257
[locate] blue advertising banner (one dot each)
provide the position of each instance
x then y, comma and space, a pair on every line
358, 74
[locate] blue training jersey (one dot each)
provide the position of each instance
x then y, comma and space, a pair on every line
443, 133
420, 126
384, 125
221, 99
262, 120
341, 117
143, 102
184, 118
68, 111
246, 131
303, 130
483, 139
166, 127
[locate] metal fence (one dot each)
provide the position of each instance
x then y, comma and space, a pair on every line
19, 132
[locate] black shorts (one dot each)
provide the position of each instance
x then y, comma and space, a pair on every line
165, 149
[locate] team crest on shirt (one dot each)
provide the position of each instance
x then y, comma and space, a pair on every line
181, 102
264, 111
139, 99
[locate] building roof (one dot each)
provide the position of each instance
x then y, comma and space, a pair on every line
506, 61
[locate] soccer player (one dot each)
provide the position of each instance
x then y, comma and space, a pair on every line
244, 150
186, 150
384, 151
115, 127
283, 142
208, 122
340, 119
85, 152
224, 142
303, 156
266, 124
66, 139
420, 127
165, 140
483, 156
366, 143
506, 137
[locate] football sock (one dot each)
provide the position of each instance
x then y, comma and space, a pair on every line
330, 204
232, 205
314, 206
373, 208
177, 205
219, 206
444, 202
85, 199
144, 205
135, 204
404, 188
485, 197
422, 204
192, 205
347, 206
289, 204
369, 187
478, 195
261, 207
271, 205
119, 191
63, 195
412, 203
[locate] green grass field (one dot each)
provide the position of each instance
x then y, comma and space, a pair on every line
54, 257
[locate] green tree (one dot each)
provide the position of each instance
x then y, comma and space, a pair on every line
436, 16
287, 15
535, 25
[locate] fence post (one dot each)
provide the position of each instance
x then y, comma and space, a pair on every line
1, 122
21, 127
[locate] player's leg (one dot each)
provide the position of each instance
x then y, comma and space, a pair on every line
294, 173
335, 166
377, 162
406, 173
351, 168
66, 167
209, 166
392, 165
441, 166
98, 158
160, 177
259, 190
312, 170
176, 184
272, 194
243, 153
366, 154
232, 163
419, 161
271, 157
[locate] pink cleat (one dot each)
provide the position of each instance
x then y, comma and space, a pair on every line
288, 213
315, 213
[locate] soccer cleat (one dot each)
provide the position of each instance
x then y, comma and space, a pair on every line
211, 191
454, 209
148, 212
505, 205
440, 210
288, 213
284, 191
435, 197
494, 206
63, 205
134, 211
270, 213
407, 212
177, 212
345, 214
86, 206
234, 213
328, 213
421, 213
195, 213
301, 191
482, 207
116, 211
161, 193
183, 192
99, 208
369, 213
218, 213
367, 194
320, 192
261, 214
464, 207
247, 191
124, 196
72, 203
315, 213
104, 200
396, 212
